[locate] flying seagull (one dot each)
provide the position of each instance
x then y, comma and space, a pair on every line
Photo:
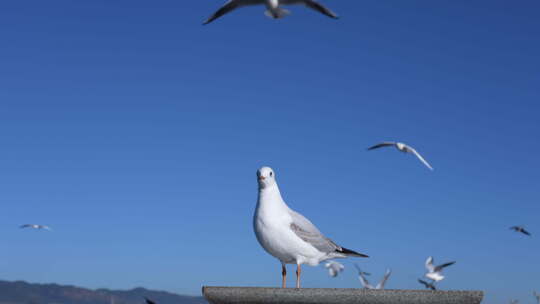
427, 285
334, 268
274, 9
34, 226
435, 272
287, 235
365, 282
403, 148
537, 296
514, 302
148, 301
520, 229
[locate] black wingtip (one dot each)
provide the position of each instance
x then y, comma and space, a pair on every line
352, 253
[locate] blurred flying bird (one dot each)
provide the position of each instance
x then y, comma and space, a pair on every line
427, 285
367, 285
148, 301
403, 148
514, 302
520, 229
274, 9
34, 226
537, 296
435, 272
334, 268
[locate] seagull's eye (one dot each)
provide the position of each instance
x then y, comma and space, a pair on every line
271, 173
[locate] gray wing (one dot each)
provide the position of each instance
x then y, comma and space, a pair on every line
25, 226
384, 144
440, 267
429, 264
320, 8
413, 151
230, 6
305, 230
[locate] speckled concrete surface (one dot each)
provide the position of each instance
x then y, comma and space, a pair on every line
260, 295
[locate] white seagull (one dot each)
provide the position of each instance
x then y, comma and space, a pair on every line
274, 9
34, 226
537, 296
435, 272
403, 148
287, 235
334, 268
367, 285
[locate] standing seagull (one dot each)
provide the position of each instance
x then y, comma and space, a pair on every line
334, 268
366, 284
403, 148
34, 226
427, 285
435, 272
287, 235
520, 229
274, 9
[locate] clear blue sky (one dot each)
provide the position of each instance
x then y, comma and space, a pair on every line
136, 132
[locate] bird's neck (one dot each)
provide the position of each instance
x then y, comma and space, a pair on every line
270, 199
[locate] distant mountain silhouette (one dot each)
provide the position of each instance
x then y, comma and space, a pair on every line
26, 293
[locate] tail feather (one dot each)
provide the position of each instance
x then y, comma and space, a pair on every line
351, 252
277, 13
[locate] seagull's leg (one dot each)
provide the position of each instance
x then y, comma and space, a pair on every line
283, 276
298, 272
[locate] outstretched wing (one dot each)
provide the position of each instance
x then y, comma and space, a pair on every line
440, 267
360, 270
320, 8
429, 264
383, 144
525, 232
385, 278
230, 6
413, 151
427, 285
365, 282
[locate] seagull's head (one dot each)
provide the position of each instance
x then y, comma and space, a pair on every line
266, 177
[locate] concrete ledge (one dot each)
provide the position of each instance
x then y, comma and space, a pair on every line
259, 295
